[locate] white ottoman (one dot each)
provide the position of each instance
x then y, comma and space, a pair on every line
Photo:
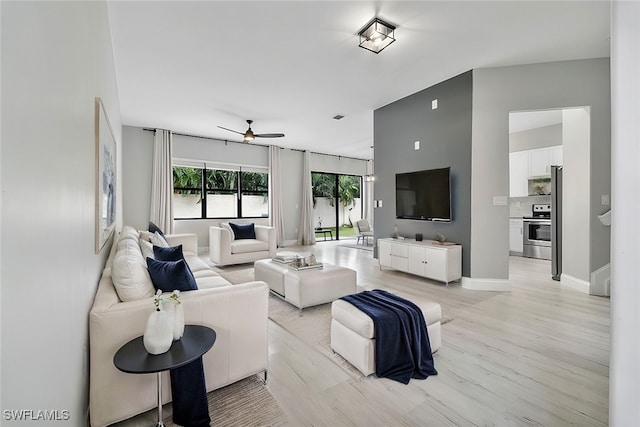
306, 288
353, 336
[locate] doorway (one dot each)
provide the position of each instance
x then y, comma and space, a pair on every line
337, 205
538, 140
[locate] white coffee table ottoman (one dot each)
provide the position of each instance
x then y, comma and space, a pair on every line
353, 335
306, 288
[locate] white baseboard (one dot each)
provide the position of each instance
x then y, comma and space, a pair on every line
495, 285
574, 283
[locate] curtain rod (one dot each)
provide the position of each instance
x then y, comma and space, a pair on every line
258, 144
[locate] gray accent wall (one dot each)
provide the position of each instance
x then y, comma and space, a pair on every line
445, 141
474, 141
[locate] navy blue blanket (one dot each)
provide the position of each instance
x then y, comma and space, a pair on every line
402, 341
189, 391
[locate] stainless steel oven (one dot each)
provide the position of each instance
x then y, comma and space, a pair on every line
536, 233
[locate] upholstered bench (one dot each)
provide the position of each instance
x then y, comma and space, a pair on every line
306, 288
353, 335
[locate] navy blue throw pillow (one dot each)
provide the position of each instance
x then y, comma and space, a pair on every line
171, 275
153, 228
243, 231
172, 253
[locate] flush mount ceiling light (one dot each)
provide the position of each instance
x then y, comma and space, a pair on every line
376, 35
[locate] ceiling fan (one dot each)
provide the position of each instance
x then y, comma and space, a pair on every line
250, 136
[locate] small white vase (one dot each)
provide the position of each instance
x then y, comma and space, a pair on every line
158, 335
178, 321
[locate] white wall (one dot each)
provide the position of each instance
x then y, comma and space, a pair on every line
339, 165
138, 147
56, 57
137, 150
219, 152
530, 139
496, 92
576, 182
624, 371
324, 210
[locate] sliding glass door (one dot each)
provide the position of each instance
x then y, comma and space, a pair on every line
337, 205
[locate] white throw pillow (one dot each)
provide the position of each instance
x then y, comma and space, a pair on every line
147, 249
130, 275
145, 235
158, 240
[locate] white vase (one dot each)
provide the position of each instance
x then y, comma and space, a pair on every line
158, 334
178, 321
175, 311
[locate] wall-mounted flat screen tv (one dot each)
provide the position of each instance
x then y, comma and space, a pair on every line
424, 195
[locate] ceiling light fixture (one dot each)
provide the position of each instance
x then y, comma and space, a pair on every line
248, 136
376, 35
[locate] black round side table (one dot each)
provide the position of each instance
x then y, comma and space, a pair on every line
133, 358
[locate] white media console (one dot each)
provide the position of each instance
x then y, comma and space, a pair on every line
426, 258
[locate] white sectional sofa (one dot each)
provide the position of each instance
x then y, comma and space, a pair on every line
238, 314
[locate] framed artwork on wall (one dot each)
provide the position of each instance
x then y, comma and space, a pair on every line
105, 176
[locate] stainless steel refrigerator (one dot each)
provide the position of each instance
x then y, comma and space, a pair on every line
556, 222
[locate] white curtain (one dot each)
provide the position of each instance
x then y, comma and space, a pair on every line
275, 197
367, 194
161, 211
306, 235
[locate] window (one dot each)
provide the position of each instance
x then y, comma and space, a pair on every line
338, 217
201, 192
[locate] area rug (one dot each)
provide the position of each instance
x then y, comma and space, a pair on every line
247, 402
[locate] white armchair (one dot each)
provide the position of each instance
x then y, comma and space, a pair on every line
364, 231
225, 249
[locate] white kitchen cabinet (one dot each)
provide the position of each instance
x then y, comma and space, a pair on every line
527, 164
541, 160
556, 156
425, 259
518, 173
515, 236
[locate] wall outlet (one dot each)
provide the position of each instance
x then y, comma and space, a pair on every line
605, 200
499, 200
434, 104
416, 145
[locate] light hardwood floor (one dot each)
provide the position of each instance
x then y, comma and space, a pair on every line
535, 356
